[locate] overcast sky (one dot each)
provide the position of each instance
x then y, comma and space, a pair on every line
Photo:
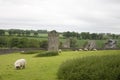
61, 15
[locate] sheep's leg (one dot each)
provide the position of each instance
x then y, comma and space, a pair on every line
23, 67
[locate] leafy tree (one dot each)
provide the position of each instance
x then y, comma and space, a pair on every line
35, 33
73, 42
23, 43
10, 32
100, 36
94, 36
2, 32
67, 34
44, 44
32, 43
27, 33
14, 42
85, 35
3, 42
42, 31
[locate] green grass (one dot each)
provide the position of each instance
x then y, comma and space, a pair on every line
100, 43
81, 43
41, 68
43, 35
38, 38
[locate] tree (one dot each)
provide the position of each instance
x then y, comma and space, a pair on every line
85, 35
2, 32
10, 32
27, 33
35, 33
73, 42
67, 34
14, 42
23, 43
93, 36
32, 43
44, 44
3, 42
100, 36
42, 31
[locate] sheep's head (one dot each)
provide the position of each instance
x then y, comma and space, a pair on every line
17, 67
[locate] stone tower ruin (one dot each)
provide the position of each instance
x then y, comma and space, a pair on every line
53, 41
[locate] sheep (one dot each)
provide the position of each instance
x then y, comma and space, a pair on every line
22, 51
80, 49
20, 64
76, 50
94, 49
59, 51
85, 49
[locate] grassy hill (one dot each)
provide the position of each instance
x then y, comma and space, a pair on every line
41, 68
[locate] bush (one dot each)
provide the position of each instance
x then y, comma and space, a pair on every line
44, 44
47, 53
91, 68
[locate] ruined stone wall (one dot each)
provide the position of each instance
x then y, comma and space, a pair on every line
91, 45
110, 44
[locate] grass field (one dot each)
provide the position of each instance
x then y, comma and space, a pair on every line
41, 68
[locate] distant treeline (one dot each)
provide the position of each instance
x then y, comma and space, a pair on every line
91, 36
37, 33
18, 32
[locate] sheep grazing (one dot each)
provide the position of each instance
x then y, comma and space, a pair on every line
85, 49
20, 64
59, 51
94, 49
22, 51
80, 50
76, 50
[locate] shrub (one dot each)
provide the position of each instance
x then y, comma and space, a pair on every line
44, 44
47, 53
91, 68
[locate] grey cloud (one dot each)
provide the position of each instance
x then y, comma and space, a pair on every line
77, 15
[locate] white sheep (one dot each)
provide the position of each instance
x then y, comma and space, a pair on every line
20, 64
85, 49
94, 49
22, 51
80, 50
76, 50
59, 51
